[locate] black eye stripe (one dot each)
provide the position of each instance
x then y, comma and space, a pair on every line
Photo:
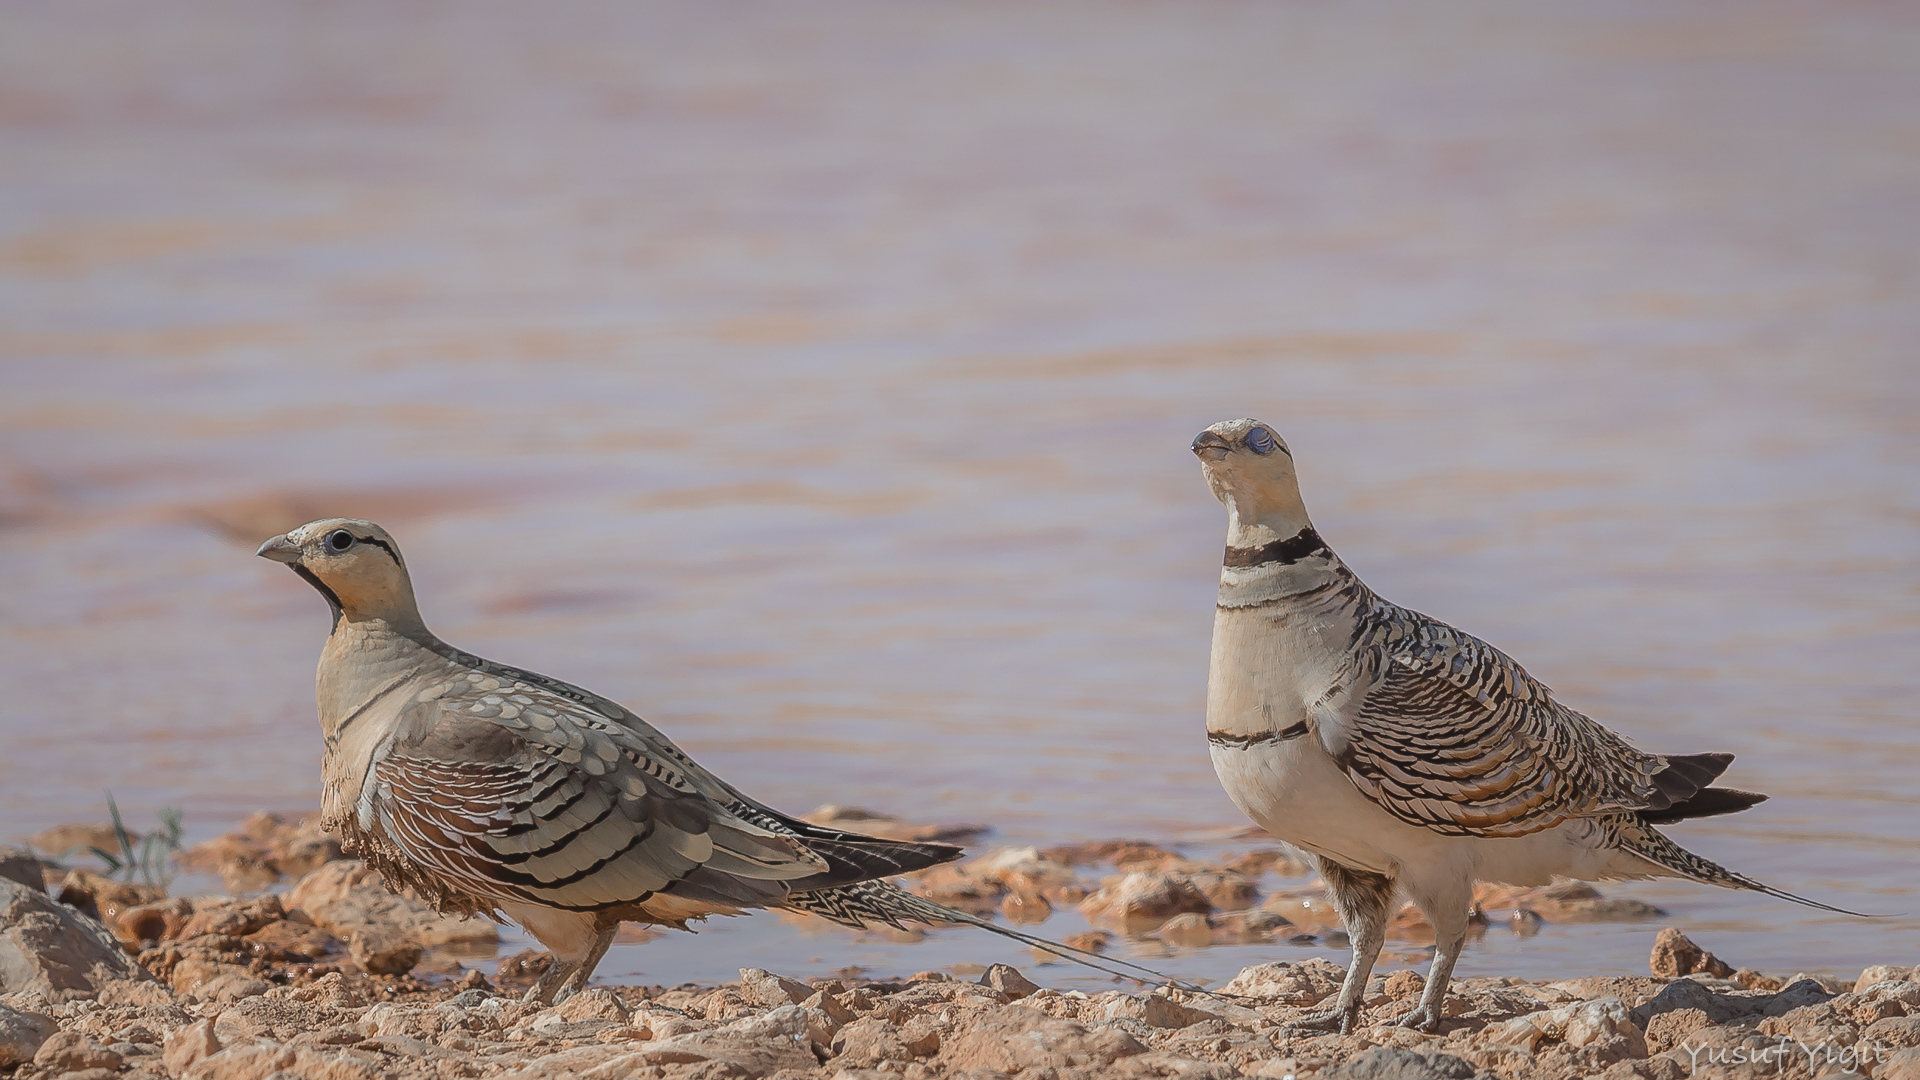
383, 546
328, 543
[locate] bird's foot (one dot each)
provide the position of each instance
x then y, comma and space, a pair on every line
1327, 1021
1423, 1018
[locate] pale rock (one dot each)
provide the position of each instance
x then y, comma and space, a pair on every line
384, 950
1675, 954
259, 1061
144, 994
1880, 973
821, 1028
70, 1051
276, 1017
1294, 982
1143, 901
162, 920
52, 948
1722, 1007
831, 1007
1579, 902
1904, 991
1749, 979
1226, 890
1798, 995
1029, 908
1189, 929
1899, 1032
387, 1018
345, 897
1602, 1025
1218, 1009
772, 990
868, 1042
1021, 868
228, 917
1154, 1010
606, 1062
101, 897
1902, 1065
1396, 986
1158, 1064
1015, 1038
194, 972
185, 1047
921, 1036
1246, 927
1669, 1029
1632, 989
1832, 984
594, 1003
660, 1024
724, 1003
230, 986
1008, 980
21, 1034
756, 1045
551, 1024
1397, 1063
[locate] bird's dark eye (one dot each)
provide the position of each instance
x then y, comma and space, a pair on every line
339, 540
1260, 441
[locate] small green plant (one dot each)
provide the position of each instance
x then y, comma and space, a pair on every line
150, 861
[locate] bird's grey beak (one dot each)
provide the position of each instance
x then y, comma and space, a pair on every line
1211, 446
280, 549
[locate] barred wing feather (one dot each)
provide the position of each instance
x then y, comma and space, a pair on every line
1452, 735
562, 809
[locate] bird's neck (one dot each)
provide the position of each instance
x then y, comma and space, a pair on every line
1259, 528
363, 660
1276, 557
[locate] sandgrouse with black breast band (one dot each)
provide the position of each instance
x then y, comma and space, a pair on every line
1405, 755
490, 789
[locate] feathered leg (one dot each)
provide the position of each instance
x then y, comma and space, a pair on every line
1362, 899
574, 939
602, 938
1446, 909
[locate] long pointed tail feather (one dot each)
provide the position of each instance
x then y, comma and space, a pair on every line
882, 901
1638, 836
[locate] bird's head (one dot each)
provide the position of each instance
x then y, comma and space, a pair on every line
1250, 470
354, 564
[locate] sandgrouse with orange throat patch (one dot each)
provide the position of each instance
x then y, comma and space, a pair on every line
492, 789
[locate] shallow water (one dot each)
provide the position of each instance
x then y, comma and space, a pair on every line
817, 380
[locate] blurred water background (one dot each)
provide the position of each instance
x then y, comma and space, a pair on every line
817, 379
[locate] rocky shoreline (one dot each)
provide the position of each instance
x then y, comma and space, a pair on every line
337, 978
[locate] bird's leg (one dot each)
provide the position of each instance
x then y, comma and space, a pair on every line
574, 939
1448, 912
542, 992
1361, 898
602, 938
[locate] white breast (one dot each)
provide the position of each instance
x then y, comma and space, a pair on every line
1297, 793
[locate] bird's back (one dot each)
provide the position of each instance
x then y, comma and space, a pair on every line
482, 784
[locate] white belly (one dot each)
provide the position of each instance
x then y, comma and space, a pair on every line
1296, 792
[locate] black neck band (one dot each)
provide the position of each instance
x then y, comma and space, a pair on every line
1285, 552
